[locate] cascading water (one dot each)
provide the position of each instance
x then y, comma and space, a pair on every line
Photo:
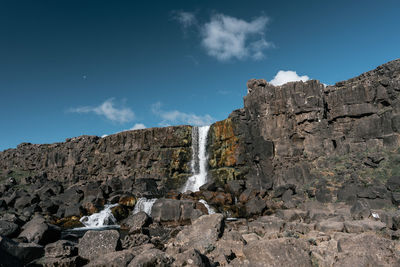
144, 204
100, 219
209, 209
199, 160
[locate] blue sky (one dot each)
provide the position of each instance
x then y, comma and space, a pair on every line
69, 68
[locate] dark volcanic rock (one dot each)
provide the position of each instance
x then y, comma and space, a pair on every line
151, 257
8, 229
40, 232
18, 254
61, 248
96, 243
136, 222
172, 211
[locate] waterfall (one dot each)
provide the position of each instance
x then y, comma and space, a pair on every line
100, 219
144, 204
210, 210
199, 160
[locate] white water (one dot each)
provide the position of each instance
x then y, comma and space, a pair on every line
144, 204
199, 160
100, 219
210, 210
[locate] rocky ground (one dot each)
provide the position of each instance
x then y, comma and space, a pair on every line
273, 228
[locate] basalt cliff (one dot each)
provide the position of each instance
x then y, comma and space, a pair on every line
304, 174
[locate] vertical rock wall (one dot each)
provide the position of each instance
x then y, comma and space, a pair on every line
160, 153
307, 124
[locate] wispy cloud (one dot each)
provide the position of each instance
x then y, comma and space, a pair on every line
283, 77
108, 110
185, 19
138, 126
226, 37
174, 117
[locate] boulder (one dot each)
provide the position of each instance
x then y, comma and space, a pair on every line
39, 231
96, 243
266, 226
136, 222
74, 261
367, 249
8, 229
113, 259
60, 249
360, 226
201, 234
13, 253
190, 257
329, 226
151, 257
393, 183
291, 215
255, 206
278, 252
135, 240
360, 210
174, 212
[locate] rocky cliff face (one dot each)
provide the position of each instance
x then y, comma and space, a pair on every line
159, 153
296, 133
300, 133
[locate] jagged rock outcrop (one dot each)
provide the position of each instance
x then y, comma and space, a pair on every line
313, 136
159, 153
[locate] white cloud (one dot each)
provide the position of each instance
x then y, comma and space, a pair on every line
283, 77
108, 110
138, 126
177, 117
186, 19
226, 37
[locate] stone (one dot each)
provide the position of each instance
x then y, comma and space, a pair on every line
360, 226
134, 240
367, 248
190, 257
60, 248
174, 212
255, 206
266, 226
165, 210
40, 232
291, 215
329, 226
201, 234
18, 254
278, 252
235, 187
8, 229
393, 183
136, 222
114, 259
96, 243
74, 261
360, 210
151, 257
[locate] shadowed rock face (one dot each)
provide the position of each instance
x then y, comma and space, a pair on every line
285, 133
159, 153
